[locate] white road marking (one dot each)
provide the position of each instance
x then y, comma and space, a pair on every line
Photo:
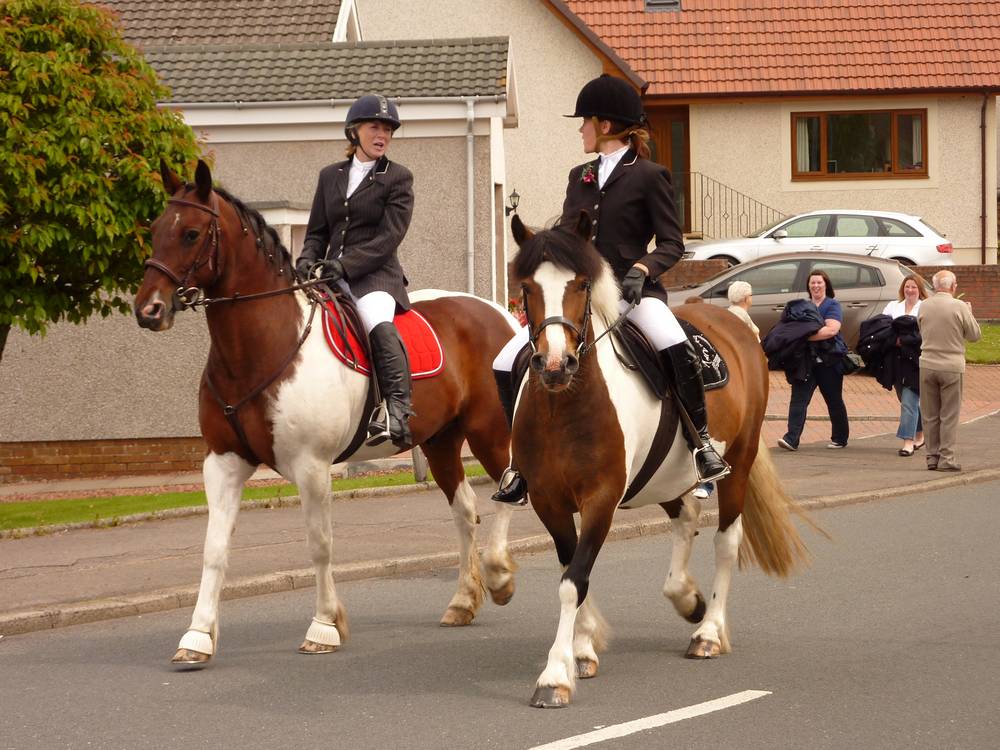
652, 722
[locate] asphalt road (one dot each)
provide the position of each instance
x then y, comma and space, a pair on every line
889, 641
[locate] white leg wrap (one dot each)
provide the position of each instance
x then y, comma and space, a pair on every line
196, 640
324, 633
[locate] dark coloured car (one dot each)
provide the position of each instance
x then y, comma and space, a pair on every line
863, 285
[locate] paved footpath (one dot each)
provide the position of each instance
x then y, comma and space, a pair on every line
92, 574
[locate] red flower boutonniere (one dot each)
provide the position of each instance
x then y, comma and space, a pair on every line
588, 174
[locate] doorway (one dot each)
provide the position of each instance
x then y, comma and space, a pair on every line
670, 145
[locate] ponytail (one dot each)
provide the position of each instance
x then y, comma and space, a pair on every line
635, 136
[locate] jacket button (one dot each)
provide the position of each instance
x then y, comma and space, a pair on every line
593, 238
346, 203
597, 205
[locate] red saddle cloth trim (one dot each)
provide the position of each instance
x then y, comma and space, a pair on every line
421, 342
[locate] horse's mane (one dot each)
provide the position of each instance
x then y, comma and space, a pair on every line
564, 248
269, 240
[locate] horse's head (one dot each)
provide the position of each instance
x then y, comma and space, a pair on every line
186, 239
562, 279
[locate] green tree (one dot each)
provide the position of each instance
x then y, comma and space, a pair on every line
81, 142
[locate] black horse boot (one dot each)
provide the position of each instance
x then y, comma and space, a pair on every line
513, 488
390, 420
690, 389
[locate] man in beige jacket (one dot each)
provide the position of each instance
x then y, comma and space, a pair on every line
946, 324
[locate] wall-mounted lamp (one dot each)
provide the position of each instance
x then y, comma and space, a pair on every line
514, 199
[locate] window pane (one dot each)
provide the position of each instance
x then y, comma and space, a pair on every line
806, 227
847, 275
859, 142
773, 278
910, 141
893, 228
807, 144
856, 226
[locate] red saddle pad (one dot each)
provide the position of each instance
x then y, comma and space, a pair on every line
422, 344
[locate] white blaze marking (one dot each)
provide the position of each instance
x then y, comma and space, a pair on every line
553, 282
652, 722
177, 219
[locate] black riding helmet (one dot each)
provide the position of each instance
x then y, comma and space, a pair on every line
370, 107
610, 98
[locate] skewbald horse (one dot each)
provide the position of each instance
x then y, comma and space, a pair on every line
296, 407
582, 409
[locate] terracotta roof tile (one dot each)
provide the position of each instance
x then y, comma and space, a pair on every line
750, 47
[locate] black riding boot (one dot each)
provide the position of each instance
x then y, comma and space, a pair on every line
690, 389
513, 488
390, 420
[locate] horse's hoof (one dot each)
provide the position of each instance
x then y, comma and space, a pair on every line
550, 697
703, 649
504, 594
586, 668
311, 647
698, 613
188, 659
455, 617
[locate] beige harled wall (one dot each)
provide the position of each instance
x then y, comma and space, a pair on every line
550, 64
110, 379
949, 199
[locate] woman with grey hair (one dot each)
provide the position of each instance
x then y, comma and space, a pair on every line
740, 298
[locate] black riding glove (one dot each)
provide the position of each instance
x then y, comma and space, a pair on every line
331, 271
632, 285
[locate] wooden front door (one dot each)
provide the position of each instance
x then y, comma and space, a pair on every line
671, 147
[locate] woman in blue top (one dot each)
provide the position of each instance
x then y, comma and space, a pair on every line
827, 371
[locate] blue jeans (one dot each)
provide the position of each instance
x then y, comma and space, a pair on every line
909, 413
830, 381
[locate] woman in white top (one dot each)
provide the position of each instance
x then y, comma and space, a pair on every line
740, 295
911, 293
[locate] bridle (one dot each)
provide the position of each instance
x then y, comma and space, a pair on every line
187, 296
582, 346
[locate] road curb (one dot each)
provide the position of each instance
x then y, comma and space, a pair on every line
78, 613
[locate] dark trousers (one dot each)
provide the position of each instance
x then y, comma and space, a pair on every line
830, 381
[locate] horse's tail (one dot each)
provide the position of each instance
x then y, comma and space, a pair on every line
770, 538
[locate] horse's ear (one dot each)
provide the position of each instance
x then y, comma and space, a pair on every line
203, 179
171, 182
521, 233
584, 225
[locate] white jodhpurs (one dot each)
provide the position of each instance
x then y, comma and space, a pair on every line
657, 321
505, 359
374, 307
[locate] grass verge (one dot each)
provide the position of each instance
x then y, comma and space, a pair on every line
986, 351
40, 513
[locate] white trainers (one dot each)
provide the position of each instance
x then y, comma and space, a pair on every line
701, 493
782, 443
835, 446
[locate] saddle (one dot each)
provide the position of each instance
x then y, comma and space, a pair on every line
346, 337
643, 357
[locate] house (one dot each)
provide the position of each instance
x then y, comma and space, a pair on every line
808, 104
266, 86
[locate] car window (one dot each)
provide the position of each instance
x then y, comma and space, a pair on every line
846, 275
771, 278
896, 228
856, 226
807, 226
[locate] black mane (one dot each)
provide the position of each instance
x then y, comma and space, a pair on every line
268, 239
561, 246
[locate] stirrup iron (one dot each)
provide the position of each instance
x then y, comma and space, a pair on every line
706, 446
378, 425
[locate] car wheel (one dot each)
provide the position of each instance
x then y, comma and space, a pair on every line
904, 261
730, 260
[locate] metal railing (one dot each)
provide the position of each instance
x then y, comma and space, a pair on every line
714, 210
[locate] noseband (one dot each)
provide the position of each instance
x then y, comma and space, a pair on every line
186, 296
581, 332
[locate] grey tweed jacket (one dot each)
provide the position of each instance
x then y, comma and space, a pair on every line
365, 230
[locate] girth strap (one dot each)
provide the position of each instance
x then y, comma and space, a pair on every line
230, 410
662, 440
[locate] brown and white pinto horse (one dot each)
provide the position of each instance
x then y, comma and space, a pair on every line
298, 407
583, 428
